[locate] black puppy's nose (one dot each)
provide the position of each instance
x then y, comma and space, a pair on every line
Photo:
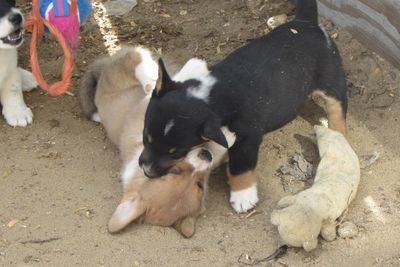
15, 19
205, 155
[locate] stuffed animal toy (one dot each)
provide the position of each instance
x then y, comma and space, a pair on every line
67, 16
301, 218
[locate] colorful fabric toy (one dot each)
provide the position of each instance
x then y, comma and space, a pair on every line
66, 15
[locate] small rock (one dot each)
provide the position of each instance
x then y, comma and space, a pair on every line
119, 7
347, 230
368, 160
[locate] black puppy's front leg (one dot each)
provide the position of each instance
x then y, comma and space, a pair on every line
243, 157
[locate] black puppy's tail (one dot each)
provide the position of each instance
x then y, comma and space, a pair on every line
88, 87
307, 10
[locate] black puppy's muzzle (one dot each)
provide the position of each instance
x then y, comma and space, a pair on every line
154, 167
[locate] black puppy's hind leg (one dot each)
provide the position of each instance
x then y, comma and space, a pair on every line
334, 109
333, 90
243, 157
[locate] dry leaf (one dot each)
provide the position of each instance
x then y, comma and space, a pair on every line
12, 223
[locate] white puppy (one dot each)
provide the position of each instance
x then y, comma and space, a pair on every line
13, 80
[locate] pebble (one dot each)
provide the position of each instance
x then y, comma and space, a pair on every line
347, 230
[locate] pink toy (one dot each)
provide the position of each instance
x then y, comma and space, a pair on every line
66, 15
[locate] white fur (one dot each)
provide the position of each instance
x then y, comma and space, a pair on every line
13, 80
96, 117
169, 126
12, 83
245, 199
147, 71
198, 164
194, 68
6, 28
130, 168
203, 91
28, 80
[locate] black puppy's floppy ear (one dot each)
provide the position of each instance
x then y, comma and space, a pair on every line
212, 131
164, 82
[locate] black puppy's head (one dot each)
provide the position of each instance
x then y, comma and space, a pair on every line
11, 24
174, 124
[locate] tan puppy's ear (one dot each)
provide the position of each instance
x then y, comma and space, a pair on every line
164, 82
127, 211
186, 226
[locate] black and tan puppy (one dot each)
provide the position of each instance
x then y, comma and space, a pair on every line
255, 90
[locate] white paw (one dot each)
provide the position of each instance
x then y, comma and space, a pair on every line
19, 116
96, 117
244, 200
28, 81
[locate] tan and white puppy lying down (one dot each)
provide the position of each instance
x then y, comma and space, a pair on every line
116, 91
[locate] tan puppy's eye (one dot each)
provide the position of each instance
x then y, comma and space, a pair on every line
172, 150
149, 139
175, 170
200, 185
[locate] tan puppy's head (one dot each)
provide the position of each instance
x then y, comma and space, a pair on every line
175, 199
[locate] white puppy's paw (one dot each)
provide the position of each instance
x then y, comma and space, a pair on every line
244, 200
18, 116
28, 81
96, 117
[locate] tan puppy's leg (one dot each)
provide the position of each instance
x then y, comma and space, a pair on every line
334, 111
243, 191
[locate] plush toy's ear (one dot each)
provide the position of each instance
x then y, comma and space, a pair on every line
186, 226
164, 82
212, 131
127, 211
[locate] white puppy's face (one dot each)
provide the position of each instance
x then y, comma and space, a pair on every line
11, 27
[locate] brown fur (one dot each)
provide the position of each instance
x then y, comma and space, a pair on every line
121, 101
242, 181
334, 111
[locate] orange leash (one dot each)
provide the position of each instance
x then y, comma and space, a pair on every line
35, 24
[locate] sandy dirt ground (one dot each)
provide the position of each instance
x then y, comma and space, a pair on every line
59, 177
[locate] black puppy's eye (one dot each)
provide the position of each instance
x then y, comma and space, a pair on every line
177, 153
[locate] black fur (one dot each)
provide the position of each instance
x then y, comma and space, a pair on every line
5, 7
260, 87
